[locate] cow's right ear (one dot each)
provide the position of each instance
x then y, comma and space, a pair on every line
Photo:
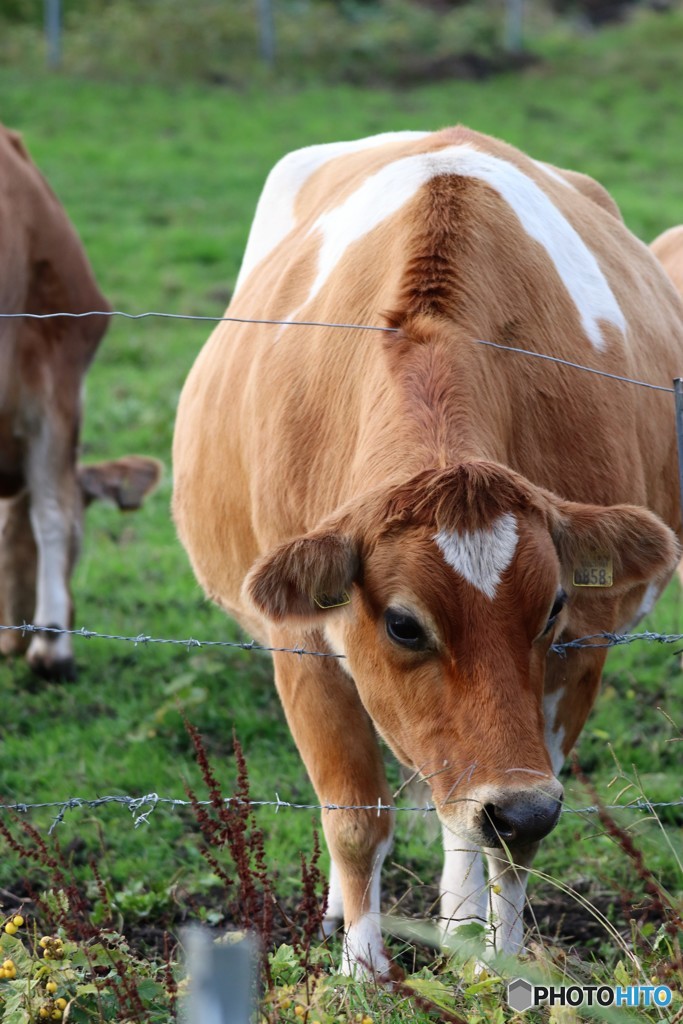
305, 577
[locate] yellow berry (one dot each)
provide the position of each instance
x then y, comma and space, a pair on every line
8, 964
286, 1003
51, 986
366, 1020
56, 1014
44, 1012
60, 1003
11, 928
3, 973
299, 1011
44, 941
18, 920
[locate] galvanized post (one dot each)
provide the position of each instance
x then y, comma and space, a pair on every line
53, 33
267, 31
678, 398
222, 979
513, 35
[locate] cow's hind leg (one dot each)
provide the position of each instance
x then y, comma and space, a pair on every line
337, 742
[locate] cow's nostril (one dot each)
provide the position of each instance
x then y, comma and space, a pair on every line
518, 817
502, 826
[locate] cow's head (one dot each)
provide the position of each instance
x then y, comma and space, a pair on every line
125, 482
445, 594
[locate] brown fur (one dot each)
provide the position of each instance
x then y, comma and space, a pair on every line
318, 460
43, 270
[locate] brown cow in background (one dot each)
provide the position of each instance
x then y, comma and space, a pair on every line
668, 248
43, 490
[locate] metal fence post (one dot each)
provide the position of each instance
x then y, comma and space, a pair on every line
513, 34
267, 31
53, 33
678, 398
222, 979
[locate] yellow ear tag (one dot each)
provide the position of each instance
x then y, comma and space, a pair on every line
327, 601
594, 570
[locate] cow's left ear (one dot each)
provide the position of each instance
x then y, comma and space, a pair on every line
619, 546
125, 482
305, 577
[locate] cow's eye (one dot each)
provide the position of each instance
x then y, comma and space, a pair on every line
558, 605
405, 630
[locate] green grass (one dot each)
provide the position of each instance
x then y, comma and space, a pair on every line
162, 183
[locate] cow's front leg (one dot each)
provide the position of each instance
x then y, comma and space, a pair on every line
55, 513
463, 886
337, 742
508, 877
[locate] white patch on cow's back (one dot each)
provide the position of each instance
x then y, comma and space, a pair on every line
481, 556
274, 217
386, 191
552, 172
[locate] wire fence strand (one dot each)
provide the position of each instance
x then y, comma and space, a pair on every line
342, 326
141, 807
596, 640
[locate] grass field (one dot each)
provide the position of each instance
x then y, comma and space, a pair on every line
162, 183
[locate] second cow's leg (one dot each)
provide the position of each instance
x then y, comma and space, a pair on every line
338, 745
55, 513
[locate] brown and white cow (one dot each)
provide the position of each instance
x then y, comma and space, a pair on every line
43, 269
435, 511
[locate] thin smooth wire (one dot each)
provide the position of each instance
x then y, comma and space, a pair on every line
343, 326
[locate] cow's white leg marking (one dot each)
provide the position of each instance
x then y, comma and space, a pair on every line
364, 952
386, 191
334, 915
554, 733
274, 217
481, 556
463, 887
507, 887
53, 509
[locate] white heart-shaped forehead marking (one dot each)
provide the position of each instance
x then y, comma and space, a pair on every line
481, 556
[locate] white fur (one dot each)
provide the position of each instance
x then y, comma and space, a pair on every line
363, 952
274, 217
386, 191
650, 596
554, 734
481, 556
463, 886
51, 520
508, 895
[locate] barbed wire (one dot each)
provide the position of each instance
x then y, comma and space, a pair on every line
142, 639
135, 805
596, 640
343, 326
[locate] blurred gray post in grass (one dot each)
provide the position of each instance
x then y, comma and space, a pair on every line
267, 31
222, 979
53, 33
513, 33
